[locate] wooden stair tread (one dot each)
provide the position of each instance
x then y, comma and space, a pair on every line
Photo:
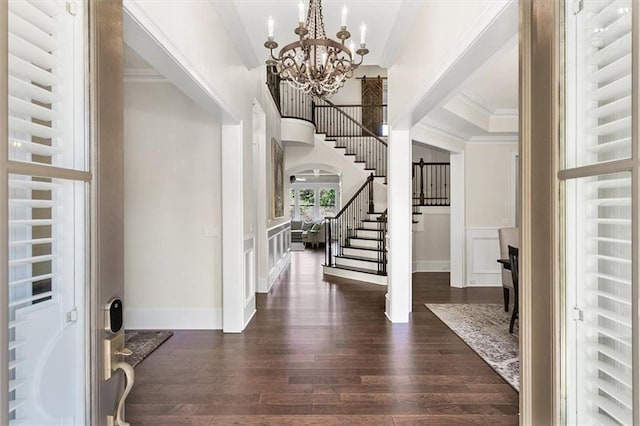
358, 258
355, 269
362, 248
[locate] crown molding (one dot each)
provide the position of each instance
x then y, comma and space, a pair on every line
428, 134
495, 140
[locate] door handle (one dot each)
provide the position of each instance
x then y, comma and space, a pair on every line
130, 377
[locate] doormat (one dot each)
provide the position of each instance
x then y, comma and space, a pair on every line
485, 328
143, 342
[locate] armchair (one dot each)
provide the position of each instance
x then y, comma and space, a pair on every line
314, 236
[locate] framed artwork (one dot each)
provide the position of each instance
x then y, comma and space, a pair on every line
277, 180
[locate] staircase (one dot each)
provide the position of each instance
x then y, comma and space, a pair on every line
355, 243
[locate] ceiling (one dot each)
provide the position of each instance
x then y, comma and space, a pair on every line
485, 106
252, 15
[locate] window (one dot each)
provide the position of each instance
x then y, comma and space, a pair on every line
313, 201
597, 205
307, 202
327, 202
292, 204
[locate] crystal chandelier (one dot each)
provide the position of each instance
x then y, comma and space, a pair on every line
316, 64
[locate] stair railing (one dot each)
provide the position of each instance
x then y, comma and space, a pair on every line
340, 123
431, 184
382, 235
343, 226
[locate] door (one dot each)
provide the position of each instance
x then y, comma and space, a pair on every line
45, 199
60, 205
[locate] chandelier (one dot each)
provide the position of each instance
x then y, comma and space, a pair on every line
316, 64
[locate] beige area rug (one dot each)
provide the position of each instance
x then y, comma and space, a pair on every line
485, 328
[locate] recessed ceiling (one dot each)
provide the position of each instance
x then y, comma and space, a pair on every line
380, 18
495, 85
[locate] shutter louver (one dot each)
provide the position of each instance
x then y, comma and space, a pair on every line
600, 240
36, 135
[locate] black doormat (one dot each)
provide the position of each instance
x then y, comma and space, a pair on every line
143, 342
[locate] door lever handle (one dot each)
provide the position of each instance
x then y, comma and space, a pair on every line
124, 352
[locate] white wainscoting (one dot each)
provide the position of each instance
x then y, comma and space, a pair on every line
249, 279
278, 242
483, 252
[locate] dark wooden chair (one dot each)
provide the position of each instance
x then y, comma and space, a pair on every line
513, 263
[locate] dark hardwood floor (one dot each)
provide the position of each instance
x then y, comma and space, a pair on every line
321, 352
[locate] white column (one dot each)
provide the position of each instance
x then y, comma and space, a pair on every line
232, 230
400, 226
458, 231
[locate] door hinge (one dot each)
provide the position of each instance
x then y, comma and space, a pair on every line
578, 314
72, 8
72, 315
578, 5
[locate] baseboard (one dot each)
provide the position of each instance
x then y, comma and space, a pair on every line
431, 266
173, 319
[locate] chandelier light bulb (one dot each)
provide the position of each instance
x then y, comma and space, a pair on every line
270, 27
363, 34
301, 13
344, 16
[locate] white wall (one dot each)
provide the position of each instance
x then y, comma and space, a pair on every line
489, 184
172, 210
431, 240
429, 154
489, 205
351, 93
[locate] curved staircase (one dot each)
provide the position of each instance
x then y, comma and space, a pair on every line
355, 243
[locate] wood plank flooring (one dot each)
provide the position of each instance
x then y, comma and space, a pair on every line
322, 353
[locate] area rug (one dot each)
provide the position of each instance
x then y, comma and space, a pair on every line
143, 342
297, 247
485, 328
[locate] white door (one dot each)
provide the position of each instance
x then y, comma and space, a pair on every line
46, 200
599, 166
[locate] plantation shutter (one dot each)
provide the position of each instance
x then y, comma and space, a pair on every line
42, 112
599, 249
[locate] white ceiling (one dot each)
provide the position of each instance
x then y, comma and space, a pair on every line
380, 17
495, 85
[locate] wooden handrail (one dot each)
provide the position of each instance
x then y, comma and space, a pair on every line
356, 122
364, 185
351, 105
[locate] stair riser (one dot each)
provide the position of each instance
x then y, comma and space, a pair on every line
352, 263
370, 225
368, 234
365, 243
361, 253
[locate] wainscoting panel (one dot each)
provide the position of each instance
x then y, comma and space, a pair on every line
249, 279
483, 251
279, 241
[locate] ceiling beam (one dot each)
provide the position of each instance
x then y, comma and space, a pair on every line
237, 33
